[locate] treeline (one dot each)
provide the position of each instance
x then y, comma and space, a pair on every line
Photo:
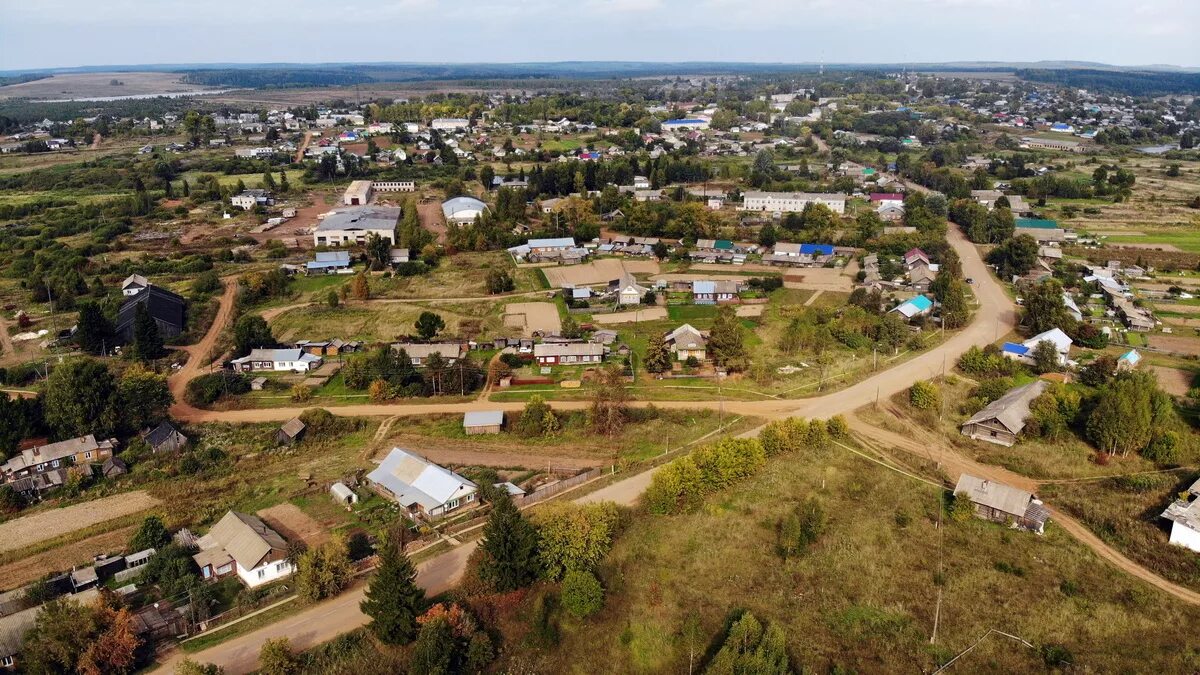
273, 78
1133, 83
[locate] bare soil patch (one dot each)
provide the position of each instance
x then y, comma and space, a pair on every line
1174, 381
28, 530
819, 279
1176, 343
63, 558
750, 310
533, 316
597, 272
645, 314
295, 525
432, 218
468, 453
1172, 248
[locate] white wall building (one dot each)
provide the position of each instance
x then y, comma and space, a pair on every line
243, 544
792, 202
354, 225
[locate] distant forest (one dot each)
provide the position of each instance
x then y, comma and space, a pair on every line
1133, 83
261, 78
18, 79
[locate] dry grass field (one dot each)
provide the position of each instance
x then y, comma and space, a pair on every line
93, 85
597, 272
64, 557
42, 525
295, 525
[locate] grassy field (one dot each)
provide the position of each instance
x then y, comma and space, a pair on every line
463, 275
864, 597
382, 322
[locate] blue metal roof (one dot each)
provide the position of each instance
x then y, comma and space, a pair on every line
1014, 348
810, 249
332, 256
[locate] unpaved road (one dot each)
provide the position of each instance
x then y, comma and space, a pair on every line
198, 353
925, 445
28, 530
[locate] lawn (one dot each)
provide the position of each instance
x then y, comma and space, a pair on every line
382, 322
1185, 240
864, 597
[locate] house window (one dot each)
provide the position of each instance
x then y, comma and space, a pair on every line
471, 497
207, 571
280, 565
452, 504
262, 573
87, 455
6, 661
54, 464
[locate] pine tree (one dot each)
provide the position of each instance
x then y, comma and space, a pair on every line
658, 355
147, 343
95, 332
393, 600
510, 548
283, 181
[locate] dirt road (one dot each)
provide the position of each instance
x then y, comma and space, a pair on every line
304, 146
925, 445
6, 344
199, 352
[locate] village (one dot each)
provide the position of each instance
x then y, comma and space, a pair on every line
254, 352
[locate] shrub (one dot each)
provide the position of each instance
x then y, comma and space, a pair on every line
961, 508
207, 389
582, 594
923, 395
301, 393
837, 428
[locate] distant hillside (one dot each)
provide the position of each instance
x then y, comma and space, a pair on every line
1134, 83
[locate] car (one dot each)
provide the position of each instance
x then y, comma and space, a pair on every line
970, 280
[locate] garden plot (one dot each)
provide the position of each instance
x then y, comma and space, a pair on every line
28, 530
647, 314
529, 317
295, 525
597, 272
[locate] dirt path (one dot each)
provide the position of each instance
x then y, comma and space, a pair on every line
813, 298
925, 445
96, 138
433, 219
199, 352
38, 527
303, 146
6, 344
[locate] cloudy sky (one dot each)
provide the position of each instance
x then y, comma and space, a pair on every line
56, 33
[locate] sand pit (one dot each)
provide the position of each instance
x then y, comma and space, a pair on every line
598, 272
647, 314
533, 316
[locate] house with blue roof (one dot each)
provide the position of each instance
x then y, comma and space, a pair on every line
693, 124
329, 262
918, 306
1129, 360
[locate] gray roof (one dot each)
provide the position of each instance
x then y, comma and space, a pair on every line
245, 538
361, 218
1186, 513
1004, 498
458, 204
414, 480
483, 418
292, 427
1011, 409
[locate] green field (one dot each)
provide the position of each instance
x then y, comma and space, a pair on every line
1184, 240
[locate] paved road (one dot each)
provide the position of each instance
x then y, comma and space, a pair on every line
921, 443
995, 317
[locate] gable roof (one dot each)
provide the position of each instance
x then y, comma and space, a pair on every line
245, 538
292, 427
483, 418
415, 480
911, 308
161, 433
162, 304
1061, 341
1011, 409
989, 493
686, 336
135, 280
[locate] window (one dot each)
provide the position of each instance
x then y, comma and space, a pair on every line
471, 497
452, 504
262, 573
207, 571
87, 455
6, 661
279, 566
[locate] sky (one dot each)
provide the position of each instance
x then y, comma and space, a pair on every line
65, 33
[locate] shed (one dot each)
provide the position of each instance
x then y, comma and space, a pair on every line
291, 432
483, 422
114, 466
343, 494
258, 383
165, 438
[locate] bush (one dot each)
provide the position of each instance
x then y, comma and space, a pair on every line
923, 395
207, 389
678, 486
582, 594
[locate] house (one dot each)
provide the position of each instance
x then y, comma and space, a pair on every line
890, 212
329, 262
918, 306
419, 354
1129, 360
343, 494
921, 277
1184, 515
242, 544
915, 256
629, 291
358, 194
13, 628
449, 124
1002, 503
35, 470
483, 422
462, 210
1136, 318
291, 431
166, 308
354, 225
1024, 351
165, 438
791, 202
800, 255
687, 342
709, 291
134, 284
1002, 420
248, 199
421, 487
568, 354
539, 246
294, 360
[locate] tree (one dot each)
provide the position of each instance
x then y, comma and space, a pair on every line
1123, 418
360, 288
1045, 358
923, 395
393, 599
429, 324
151, 534
332, 299
94, 331
1045, 308
276, 658
190, 667
607, 414
114, 644
92, 640
81, 398
748, 648
529, 424
324, 571
726, 340
1015, 256
147, 343
251, 332
574, 536
486, 174
510, 545
379, 251
582, 594
499, 281
144, 397
434, 651
1100, 371
570, 328
658, 355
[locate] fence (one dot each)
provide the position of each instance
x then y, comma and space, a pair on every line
556, 488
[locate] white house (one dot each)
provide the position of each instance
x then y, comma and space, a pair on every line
248, 199
243, 544
1024, 351
629, 291
449, 123
420, 486
295, 360
791, 202
354, 225
1184, 515
555, 353
685, 341
134, 284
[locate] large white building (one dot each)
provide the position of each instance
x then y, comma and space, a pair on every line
358, 194
349, 226
462, 210
449, 123
792, 202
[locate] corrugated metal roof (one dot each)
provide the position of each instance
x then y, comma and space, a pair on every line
483, 418
414, 480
